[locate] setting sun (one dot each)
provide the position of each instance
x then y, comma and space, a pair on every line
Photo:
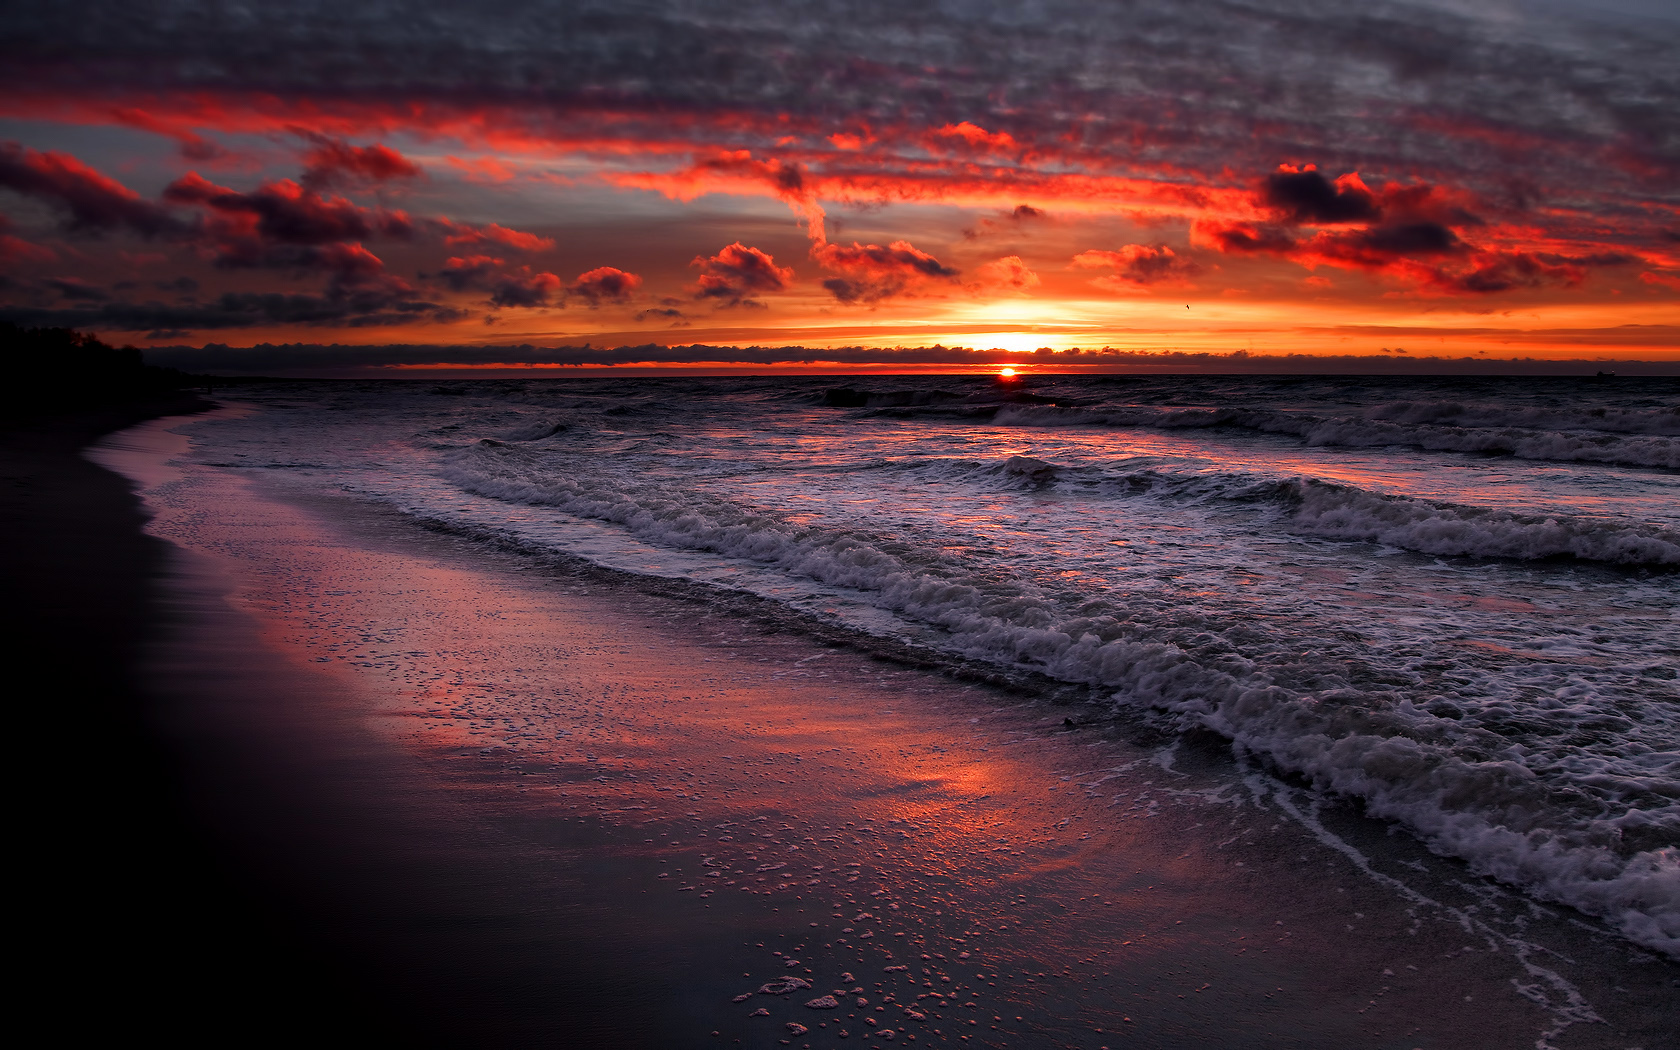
1006, 373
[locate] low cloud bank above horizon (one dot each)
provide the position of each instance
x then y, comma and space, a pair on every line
424, 171
315, 360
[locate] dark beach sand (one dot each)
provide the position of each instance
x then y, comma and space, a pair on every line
136, 917
475, 799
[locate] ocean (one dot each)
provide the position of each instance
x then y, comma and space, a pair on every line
1449, 605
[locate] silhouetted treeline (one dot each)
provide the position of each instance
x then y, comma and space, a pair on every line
53, 369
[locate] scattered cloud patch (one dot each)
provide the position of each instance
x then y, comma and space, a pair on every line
736, 274
871, 273
1137, 266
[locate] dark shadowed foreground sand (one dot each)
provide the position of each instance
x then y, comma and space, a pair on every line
501, 802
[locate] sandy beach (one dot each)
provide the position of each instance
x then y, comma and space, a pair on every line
135, 906
503, 801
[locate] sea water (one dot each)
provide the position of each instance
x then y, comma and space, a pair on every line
1455, 601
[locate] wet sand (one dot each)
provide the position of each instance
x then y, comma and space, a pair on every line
524, 802
128, 909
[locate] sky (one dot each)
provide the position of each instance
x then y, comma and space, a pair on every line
1430, 180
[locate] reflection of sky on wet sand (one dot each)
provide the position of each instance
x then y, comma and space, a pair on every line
986, 877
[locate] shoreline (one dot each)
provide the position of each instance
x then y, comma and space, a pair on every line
492, 882
136, 901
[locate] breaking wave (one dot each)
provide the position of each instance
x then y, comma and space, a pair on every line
1593, 828
1326, 510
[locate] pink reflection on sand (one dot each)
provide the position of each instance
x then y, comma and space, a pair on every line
924, 835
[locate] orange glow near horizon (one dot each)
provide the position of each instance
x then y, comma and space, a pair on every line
237, 215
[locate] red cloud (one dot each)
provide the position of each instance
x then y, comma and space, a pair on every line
484, 169
463, 272
976, 137
193, 145
491, 233
1008, 272
604, 284
94, 201
786, 180
333, 161
874, 273
283, 224
1242, 238
1410, 231
737, 273
285, 212
1503, 272
524, 288
1136, 265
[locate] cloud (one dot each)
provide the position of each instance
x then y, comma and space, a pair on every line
1558, 135
1413, 232
525, 289
1303, 195
470, 271
193, 146
369, 308
1009, 222
74, 288
672, 314
489, 170
1136, 266
333, 162
456, 233
737, 273
317, 359
873, 273
94, 201
1493, 272
16, 249
1242, 238
604, 284
1348, 83
1378, 247
974, 137
1008, 273
285, 212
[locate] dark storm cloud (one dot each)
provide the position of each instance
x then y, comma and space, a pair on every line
1309, 197
1405, 240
